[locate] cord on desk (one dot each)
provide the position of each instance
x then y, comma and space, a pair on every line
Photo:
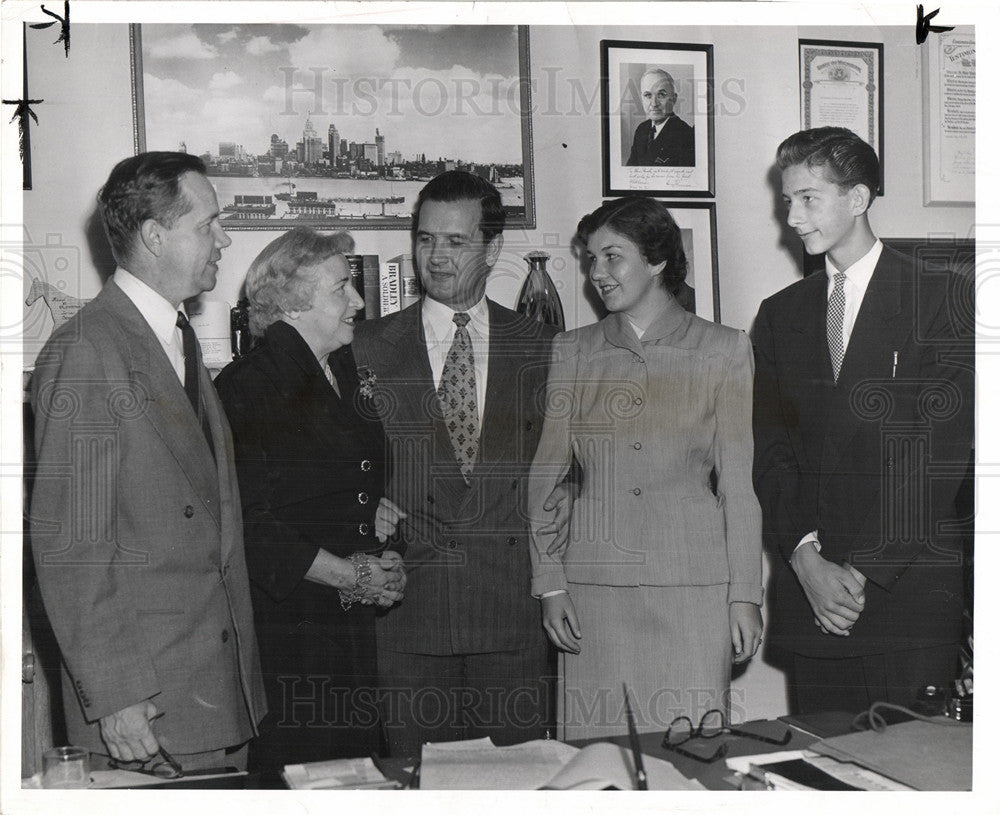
875, 722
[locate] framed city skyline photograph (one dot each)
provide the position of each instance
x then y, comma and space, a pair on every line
337, 126
657, 122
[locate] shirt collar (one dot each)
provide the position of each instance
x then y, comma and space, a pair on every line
438, 319
155, 309
658, 127
860, 272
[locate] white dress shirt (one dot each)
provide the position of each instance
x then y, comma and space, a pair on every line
439, 331
158, 313
859, 275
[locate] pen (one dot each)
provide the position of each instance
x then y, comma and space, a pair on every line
633, 737
895, 362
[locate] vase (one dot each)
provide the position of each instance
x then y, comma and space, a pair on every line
538, 298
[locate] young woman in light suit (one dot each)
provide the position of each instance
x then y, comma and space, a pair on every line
659, 582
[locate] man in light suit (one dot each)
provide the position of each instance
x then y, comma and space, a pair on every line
136, 525
460, 385
863, 406
664, 139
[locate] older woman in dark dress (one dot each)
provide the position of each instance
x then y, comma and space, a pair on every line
311, 460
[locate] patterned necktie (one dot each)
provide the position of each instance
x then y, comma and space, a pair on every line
835, 323
457, 394
192, 385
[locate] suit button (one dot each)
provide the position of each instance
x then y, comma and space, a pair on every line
513, 484
637, 445
453, 544
430, 499
638, 400
362, 529
511, 541
637, 491
189, 511
528, 425
366, 466
362, 497
225, 636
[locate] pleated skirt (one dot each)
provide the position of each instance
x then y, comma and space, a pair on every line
670, 644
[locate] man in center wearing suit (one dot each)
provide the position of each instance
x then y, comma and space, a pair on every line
459, 384
664, 139
135, 515
863, 426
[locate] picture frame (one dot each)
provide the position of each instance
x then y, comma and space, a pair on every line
840, 85
696, 220
948, 91
212, 89
643, 153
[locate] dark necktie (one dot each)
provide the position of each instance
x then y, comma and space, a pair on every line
192, 384
457, 394
835, 323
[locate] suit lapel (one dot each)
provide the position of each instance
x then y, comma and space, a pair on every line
883, 324
167, 407
498, 424
415, 404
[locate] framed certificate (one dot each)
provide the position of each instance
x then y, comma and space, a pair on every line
948, 68
840, 85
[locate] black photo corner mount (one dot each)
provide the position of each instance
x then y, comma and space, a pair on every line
22, 112
63, 25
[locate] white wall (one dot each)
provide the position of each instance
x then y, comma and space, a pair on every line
85, 126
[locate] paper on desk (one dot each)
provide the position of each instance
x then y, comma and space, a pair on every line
342, 773
540, 764
847, 772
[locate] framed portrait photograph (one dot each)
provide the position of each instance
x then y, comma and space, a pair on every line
657, 119
700, 293
337, 126
840, 85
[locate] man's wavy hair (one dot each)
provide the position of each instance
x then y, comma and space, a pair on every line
143, 187
845, 158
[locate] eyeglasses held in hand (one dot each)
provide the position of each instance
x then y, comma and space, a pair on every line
161, 764
712, 725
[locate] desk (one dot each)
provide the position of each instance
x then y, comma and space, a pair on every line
711, 775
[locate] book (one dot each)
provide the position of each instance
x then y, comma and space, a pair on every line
400, 269
356, 264
370, 271
389, 294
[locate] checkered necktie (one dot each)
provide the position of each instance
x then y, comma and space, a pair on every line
835, 323
457, 394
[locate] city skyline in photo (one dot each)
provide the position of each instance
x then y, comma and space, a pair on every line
443, 92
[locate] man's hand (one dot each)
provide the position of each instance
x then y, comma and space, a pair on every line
393, 562
127, 733
560, 622
388, 580
387, 518
745, 625
836, 596
561, 501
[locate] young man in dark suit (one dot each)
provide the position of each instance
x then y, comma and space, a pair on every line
459, 383
863, 427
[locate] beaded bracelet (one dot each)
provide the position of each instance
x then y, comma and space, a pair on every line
362, 577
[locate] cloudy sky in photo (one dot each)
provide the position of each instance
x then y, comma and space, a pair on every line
446, 91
